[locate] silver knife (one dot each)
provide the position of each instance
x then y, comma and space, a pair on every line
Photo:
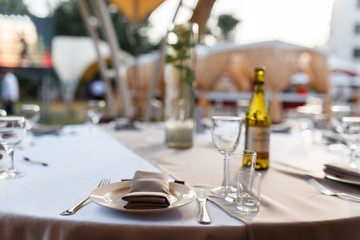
203, 214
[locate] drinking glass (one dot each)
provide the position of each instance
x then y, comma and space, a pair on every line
225, 133
248, 191
351, 137
31, 113
95, 110
337, 113
12, 131
241, 160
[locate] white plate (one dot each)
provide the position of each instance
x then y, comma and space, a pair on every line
335, 178
110, 196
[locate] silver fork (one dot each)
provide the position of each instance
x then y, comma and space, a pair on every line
75, 208
327, 191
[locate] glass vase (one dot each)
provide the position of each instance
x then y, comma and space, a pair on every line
179, 85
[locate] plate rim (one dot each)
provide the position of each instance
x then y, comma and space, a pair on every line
335, 178
121, 184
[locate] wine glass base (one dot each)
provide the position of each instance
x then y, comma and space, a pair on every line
11, 174
220, 191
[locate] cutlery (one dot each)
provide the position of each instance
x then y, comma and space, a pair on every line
203, 214
328, 192
74, 209
37, 162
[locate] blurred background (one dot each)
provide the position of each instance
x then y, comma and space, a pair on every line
56, 51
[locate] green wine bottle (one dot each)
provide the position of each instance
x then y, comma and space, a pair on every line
258, 123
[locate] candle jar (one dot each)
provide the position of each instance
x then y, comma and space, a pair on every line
179, 85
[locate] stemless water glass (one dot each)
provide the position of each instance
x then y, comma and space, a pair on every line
12, 131
351, 137
248, 191
241, 160
95, 110
225, 133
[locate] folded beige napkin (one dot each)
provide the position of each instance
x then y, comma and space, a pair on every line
148, 190
342, 171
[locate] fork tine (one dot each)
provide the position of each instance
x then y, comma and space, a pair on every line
101, 182
71, 211
104, 181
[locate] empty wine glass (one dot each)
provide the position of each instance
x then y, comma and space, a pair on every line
31, 113
12, 131
95, 110
351, 137
225, 133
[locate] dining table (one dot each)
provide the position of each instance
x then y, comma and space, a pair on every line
79, 156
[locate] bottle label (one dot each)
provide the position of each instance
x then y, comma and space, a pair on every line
258, 139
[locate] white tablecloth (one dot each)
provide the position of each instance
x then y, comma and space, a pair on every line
289, 203
78, 159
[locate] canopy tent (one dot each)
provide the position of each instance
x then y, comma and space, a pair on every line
73, 60
71, 57
281, 60
337, 64
137, 10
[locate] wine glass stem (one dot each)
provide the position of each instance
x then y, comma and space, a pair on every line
226, 172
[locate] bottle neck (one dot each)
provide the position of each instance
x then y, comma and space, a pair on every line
258, 86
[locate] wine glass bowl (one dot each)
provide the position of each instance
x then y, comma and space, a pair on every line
31, 113
95, 110
225, 133
12, 131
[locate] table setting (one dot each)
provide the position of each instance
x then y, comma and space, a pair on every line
128, 182
241, 177
76, 163
284, 187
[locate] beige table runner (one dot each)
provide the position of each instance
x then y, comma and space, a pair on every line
291, 208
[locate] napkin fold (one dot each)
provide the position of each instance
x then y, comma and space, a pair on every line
148, 190
342, 171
